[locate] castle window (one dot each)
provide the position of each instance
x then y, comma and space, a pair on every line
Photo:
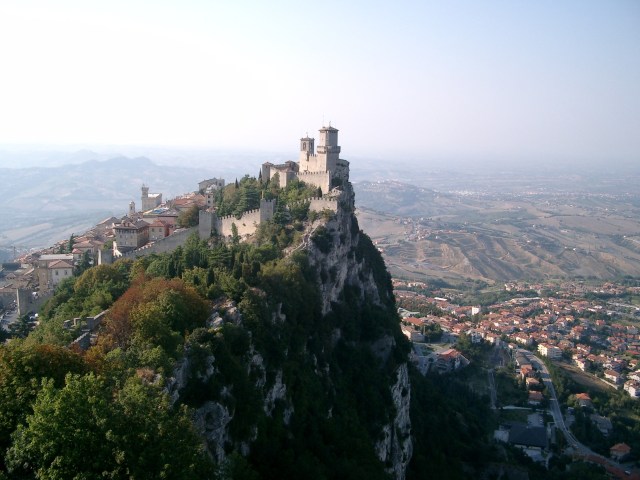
304, 145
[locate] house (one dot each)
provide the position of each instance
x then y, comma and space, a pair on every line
535, 398
583, 364
448, 360
532, 440
584, 400
412, 334
620, 452
158, 230
526, 371
49, 275
532, 383
632, 387
211, 184
59, 270
523, 339
613, 376
549, 351
603, 424
130, 235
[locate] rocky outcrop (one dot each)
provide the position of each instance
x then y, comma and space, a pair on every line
396, 447
336, 254
333, 252
349, 274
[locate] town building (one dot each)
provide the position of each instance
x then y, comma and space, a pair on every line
150, 200
51, 269
549, 351
130, 235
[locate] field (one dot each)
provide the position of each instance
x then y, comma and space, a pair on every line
501, 236
583, 378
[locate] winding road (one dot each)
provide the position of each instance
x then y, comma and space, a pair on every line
580, 449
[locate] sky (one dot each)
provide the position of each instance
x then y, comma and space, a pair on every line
522, 81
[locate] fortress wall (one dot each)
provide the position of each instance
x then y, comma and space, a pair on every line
246, 225
167, 244
320, 204
206, 224
317, 179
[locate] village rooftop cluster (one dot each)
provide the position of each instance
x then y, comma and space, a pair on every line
592, 334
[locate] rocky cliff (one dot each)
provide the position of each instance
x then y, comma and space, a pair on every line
307, 372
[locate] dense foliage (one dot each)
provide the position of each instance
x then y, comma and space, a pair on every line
306, 394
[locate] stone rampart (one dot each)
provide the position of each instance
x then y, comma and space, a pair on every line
317, 179
246, 225
167, 244
318, 204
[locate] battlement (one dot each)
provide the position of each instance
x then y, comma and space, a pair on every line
311, 174
244, 214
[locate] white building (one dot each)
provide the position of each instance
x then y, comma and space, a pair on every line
549, 351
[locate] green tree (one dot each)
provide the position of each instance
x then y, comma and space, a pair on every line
88, 430
22, 367
70, 243
189, 218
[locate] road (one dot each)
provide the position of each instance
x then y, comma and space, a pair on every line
581, 449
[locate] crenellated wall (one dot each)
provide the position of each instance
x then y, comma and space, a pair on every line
247, 224
317, 179
318, 204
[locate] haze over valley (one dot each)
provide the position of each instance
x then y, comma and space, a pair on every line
494, 225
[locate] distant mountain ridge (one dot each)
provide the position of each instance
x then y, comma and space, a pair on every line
43, 205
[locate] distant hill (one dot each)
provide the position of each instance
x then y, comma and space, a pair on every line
501, 236
43, 205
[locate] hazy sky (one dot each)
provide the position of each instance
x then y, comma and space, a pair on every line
511, 79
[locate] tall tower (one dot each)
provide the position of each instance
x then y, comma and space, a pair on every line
144, 204
132, 208
328, 147
307, 147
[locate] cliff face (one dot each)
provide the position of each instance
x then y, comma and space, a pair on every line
309, 371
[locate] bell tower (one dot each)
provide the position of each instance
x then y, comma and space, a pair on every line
307, 148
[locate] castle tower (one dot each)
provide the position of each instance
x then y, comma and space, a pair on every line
307, 148
145, 197
328, 149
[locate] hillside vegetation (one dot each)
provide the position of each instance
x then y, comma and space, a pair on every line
241, 360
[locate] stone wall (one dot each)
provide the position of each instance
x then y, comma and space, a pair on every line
318, 204
167, 244
317, 179
246, 224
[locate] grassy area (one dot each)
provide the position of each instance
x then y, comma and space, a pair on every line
582, 378
514, 416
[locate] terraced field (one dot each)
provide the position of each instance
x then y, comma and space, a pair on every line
498, 237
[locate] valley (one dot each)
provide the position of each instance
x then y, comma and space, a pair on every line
500, 236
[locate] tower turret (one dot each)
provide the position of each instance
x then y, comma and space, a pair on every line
328, 149
307, 146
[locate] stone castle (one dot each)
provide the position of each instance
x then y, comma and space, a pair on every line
323, 169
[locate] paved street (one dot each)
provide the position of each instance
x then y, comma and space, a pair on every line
581, 449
